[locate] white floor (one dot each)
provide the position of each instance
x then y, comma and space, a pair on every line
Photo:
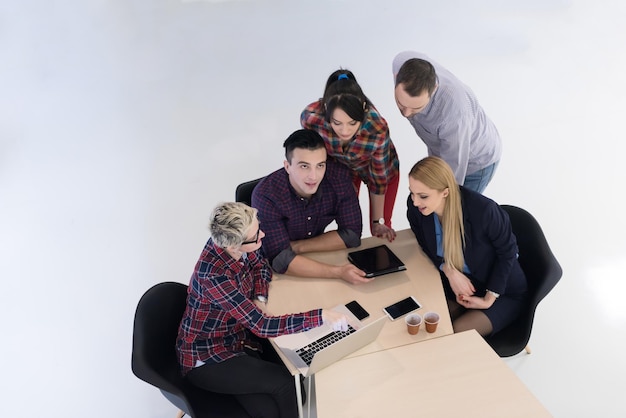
122, 123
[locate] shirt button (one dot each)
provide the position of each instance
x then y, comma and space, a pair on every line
308, 219
309, 234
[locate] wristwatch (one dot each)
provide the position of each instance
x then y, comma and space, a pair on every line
379, 221
261, 298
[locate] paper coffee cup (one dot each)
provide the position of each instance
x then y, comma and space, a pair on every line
413, 322
431, 319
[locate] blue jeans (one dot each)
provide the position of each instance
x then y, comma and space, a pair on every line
479, 180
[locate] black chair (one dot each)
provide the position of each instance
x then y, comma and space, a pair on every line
154, 358
543, 272
243, 193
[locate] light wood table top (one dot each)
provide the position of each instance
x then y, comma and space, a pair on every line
290, 294
457, 375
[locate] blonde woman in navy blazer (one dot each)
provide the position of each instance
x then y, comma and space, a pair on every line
484, 283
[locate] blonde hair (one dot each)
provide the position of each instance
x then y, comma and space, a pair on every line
436, 174
230, 222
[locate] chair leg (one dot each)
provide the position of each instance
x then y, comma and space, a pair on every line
299, 395
180, 414
528, 350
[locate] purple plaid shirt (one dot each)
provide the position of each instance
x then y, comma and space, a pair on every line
220, 310
371, 154
286, 217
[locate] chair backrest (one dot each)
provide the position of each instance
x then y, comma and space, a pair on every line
542, 271
541, 267
243, 193
154, 358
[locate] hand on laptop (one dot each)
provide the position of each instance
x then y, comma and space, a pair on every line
337, 320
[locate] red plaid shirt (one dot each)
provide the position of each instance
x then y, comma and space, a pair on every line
220, 311
371, 155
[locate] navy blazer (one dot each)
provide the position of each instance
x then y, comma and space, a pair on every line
490, 245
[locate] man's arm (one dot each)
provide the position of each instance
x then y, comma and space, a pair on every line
348, 210
303, 266
328, 241
455, 148
296, 264
269, 199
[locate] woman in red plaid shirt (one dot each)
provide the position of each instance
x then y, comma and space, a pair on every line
358, 136
222, 339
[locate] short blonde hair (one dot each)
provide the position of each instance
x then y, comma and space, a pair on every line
230, 222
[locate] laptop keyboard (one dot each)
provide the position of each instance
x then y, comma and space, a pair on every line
306, 353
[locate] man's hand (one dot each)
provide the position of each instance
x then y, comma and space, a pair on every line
352, 274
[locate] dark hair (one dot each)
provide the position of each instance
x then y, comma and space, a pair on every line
342, 91
417, 76
304, 139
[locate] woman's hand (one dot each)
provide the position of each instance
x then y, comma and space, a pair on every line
476, 302
383, 231
337, 320
461, 285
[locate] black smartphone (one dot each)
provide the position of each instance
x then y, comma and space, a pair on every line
357, 310
401, 308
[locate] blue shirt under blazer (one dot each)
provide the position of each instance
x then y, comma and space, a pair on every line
490, 252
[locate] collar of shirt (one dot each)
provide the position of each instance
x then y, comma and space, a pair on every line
226, 262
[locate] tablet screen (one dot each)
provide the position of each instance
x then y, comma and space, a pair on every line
376, 261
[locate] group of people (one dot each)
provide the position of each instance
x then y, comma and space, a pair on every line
344, 141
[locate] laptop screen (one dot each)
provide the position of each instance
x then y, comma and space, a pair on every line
376, 261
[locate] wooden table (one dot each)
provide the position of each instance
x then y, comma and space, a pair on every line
457, 375
288, 294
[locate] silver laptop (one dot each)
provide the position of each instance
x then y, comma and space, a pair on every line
317, 348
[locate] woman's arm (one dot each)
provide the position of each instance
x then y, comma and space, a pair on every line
500, 234
224, 292
378, 211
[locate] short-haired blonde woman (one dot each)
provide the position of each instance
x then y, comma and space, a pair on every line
469, 239
222, 340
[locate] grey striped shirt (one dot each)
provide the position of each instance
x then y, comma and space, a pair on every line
453, 125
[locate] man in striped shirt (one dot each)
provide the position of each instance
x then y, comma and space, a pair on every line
447, 116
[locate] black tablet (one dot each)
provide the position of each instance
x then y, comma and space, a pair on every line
376, 261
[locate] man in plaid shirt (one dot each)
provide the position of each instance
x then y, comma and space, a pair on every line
298, 202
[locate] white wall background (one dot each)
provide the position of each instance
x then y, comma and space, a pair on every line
122, 123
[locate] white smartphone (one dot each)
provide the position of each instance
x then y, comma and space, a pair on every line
401, 308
